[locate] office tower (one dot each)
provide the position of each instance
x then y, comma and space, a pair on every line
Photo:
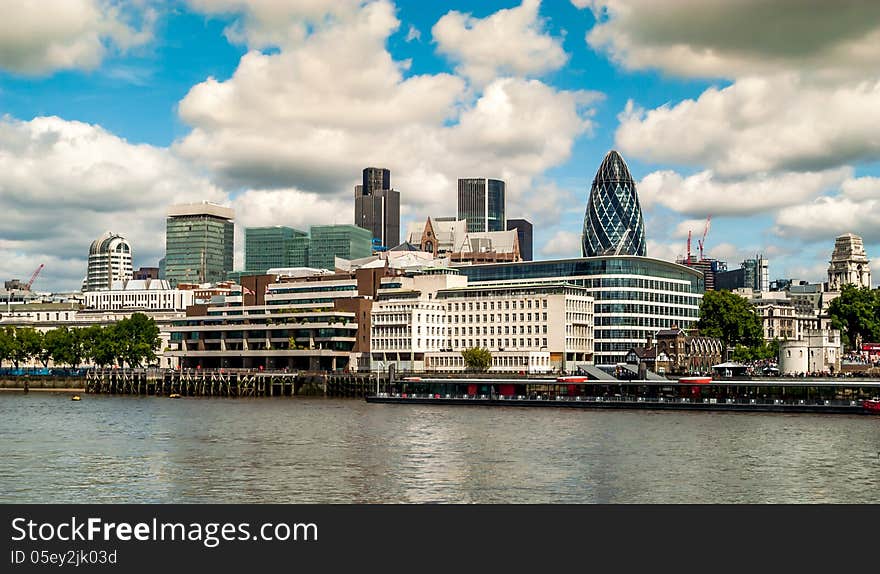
269, 247
481, 204
198, 243
109, 261
330, 241
524, 233
377, 207
613, 221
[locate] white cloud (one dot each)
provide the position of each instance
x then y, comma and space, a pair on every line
760, 124
854, 209
265, 23
413, 34
41, 37
706, 194
734, 38
312, 117
63, 183
510, 41
563, 244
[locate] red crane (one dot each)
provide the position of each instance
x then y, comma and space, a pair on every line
702, 241
34, 276
688, 260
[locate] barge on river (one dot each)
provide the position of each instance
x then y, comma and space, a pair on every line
842, 396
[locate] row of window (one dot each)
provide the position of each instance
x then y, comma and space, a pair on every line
490, 305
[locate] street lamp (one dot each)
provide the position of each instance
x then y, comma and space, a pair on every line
379, 365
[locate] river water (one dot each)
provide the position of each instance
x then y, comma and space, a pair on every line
296, 450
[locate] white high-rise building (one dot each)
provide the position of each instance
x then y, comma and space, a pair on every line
849, 263
109, 261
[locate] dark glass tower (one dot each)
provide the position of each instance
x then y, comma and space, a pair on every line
613, 222
524, 232
481, 203
377, 206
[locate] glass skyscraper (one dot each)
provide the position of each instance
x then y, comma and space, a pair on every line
198, 243
331, 241
269, 247
481, 203
377, 206
613, 223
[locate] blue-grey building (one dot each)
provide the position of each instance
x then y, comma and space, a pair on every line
613, 223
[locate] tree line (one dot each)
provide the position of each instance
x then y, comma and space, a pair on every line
734, 320
132, 341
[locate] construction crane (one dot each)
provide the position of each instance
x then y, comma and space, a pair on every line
34, 277
702, 241
688, 260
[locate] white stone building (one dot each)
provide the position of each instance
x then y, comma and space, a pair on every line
109, 261
849, 263
137, 294
431, 318
817, 351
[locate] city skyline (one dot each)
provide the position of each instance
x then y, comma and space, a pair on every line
172, 105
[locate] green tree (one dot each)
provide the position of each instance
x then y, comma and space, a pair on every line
101, 344
138, 340
28, 343
856, 312
78, 347
731, 318
477, 359
57, 344
44, 354
7, 343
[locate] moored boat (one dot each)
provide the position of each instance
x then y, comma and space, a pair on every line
872, 406
572, 379
695, 380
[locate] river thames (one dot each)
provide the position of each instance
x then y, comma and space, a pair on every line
107, 449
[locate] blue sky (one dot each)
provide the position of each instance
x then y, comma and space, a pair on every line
112, 110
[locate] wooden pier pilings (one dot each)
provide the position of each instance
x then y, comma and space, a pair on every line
217, 383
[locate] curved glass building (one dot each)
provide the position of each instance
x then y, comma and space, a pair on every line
613, 223
634, 296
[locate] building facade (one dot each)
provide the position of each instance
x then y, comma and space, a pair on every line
481, 202
613, 222
268, 247
377, 207
524, 235
816, 351
328, 242
431, 318
315, 322
144, 295
849, 263
199, 243
109, 260
634, 296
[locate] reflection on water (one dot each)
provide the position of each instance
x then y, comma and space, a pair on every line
125, 449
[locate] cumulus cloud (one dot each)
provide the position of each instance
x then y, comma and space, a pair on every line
760, 124
41, 37
855, 208
312, 117
63, 183
704, 193
266, 23
563, 244
511, 41
733, 38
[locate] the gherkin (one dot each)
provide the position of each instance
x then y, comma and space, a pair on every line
613, 222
